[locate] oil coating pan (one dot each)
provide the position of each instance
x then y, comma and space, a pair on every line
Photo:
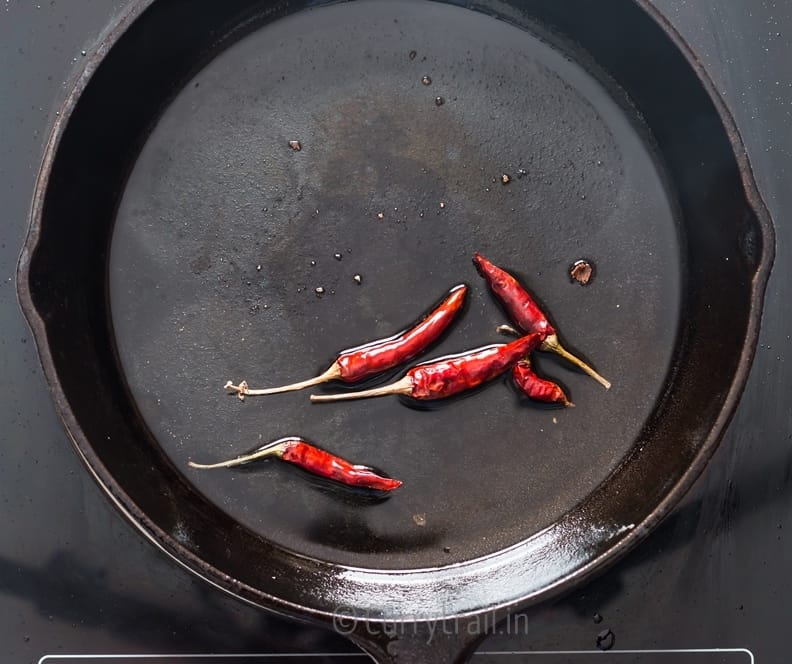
176, 241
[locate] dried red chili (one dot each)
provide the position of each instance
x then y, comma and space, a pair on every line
520, 306
526, 313
313, 459
451, 375
371, 358
537, 388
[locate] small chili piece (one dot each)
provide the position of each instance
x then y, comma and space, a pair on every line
371, 358
451, 375
582, 272
526, 313
315, 460
537, 388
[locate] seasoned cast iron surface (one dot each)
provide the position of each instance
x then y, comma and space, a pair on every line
211, 274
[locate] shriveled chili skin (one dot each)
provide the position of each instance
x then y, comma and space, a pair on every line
446, 377
535, 387
358, 363
322, 463
517, 301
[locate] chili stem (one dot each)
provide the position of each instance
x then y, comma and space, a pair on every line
401, 386
553, 345
243, 390
274, 449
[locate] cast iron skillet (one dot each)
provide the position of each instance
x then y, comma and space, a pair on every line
176, 242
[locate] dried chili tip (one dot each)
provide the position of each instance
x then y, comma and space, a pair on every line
537, 388
371, 358
447, 376
315, 460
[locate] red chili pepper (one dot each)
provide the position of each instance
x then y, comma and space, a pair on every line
537, 388
520, 306
526, 313
313, 459
357, 363
451, 375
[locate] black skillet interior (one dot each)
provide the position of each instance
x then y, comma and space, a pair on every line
177, 242
211, 275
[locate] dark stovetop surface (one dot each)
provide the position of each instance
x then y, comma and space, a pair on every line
76, 578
